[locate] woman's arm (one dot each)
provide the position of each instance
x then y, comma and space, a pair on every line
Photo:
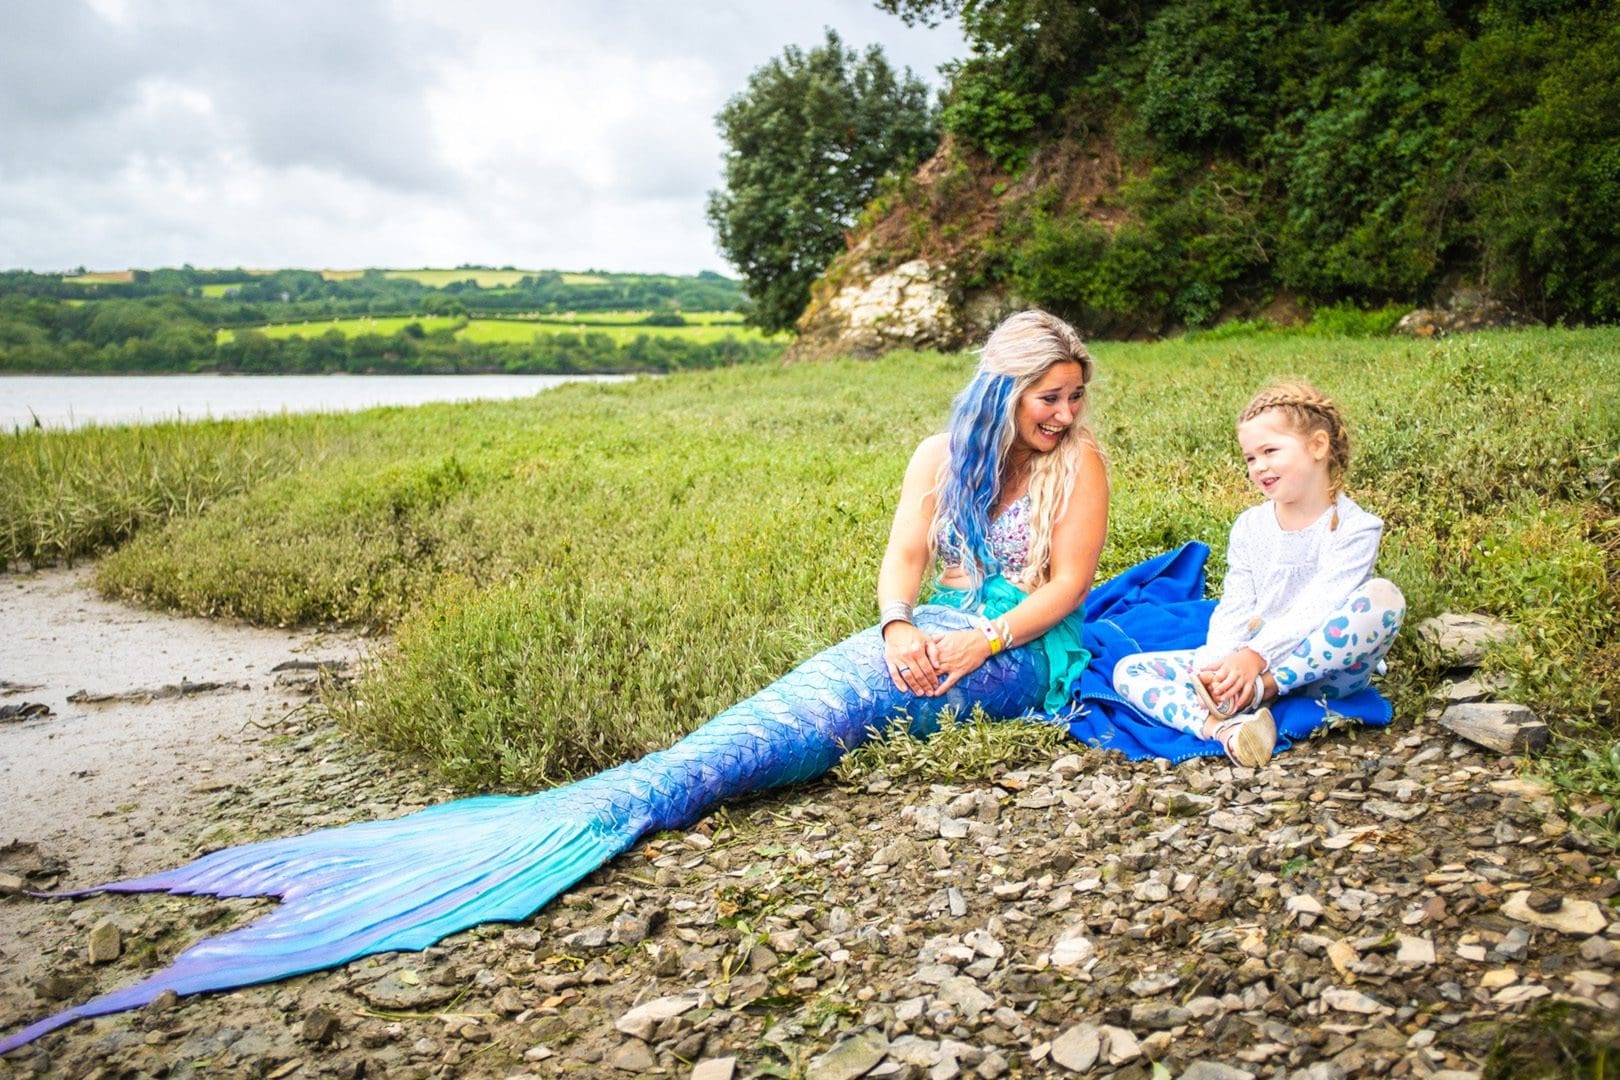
1077, 542
910, 653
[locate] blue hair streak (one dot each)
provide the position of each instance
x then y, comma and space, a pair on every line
980, 432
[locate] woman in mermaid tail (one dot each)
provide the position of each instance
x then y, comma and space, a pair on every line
1011, 503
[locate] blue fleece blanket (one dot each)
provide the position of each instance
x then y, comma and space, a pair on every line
1159, 604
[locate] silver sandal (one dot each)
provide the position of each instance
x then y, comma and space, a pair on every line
1249, 739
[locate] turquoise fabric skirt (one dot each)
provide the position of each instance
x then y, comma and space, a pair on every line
1066, 657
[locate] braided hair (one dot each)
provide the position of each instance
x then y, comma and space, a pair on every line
1017, 355
1308, 411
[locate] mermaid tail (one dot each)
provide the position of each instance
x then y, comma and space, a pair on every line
406, 883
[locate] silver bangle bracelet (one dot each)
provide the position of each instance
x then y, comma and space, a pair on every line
895, 611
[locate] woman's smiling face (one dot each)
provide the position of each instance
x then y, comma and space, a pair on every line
1048, 409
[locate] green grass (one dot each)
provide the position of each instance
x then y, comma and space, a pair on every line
386, 325
978, 748
581, 576
702, 330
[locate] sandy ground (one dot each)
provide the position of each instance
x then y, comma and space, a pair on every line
102, 786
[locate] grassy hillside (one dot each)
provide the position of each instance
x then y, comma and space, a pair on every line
583, 575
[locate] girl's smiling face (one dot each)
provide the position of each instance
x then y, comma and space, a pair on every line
1289, 468
1048, 409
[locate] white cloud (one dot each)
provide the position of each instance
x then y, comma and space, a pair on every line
371, 133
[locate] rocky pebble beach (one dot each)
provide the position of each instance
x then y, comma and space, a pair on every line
1398, 902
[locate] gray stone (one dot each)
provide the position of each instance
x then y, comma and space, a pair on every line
404, 990
1078, 1048
1214, 1070
1600, 950
1157, 1017
1464, 638
962, 993
319, 1026
1497, 725
854, 1057
1574, 917
642, 1020
1120, 1047
634, 1057
715, 1069
105, 942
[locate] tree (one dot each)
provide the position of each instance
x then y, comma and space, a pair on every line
809, 140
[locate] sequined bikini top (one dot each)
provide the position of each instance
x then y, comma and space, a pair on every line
1008, 540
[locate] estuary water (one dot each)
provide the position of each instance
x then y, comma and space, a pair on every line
70, 401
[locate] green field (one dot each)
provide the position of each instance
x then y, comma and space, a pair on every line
713, 327
694, 536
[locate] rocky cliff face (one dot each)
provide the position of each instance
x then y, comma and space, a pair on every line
909, 307
912, 276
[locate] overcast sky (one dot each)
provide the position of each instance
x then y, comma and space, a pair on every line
344, 133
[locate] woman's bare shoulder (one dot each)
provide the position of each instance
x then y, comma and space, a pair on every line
933, 450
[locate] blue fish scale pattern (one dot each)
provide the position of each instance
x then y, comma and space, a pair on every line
409, 882
799, 726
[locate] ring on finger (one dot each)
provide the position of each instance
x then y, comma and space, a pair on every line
905, 668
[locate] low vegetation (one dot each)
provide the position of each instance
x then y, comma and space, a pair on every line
469, 320
581, 576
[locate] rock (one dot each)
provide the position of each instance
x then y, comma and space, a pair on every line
962, 993
1475, 688
10, 884
1414, 951
404, 991
1073, 952
105, 943
1119, 1046
634, 1057
1078, 1048
59, 987
642, 1020
1464, 638
1600, 950
1158, 1017
319, 1026
1214, 1070
715, 1069
854, 1057
1463, 311
1353, 1001
908, 307
1497, 725
1573, 917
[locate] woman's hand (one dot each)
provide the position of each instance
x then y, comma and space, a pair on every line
1231, 682
958, 654
911, 658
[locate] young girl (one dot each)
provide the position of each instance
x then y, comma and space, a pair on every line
1298, 610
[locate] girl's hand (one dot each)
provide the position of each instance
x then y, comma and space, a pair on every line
911, 658
960, 653
1231, 682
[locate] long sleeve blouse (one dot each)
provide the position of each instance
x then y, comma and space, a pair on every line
1289, 581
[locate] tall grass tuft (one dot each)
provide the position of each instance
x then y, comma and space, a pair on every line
582, 576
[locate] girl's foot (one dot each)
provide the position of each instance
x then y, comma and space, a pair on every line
1250, 739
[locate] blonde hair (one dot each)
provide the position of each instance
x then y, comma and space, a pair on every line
1308, 411
1016, 356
